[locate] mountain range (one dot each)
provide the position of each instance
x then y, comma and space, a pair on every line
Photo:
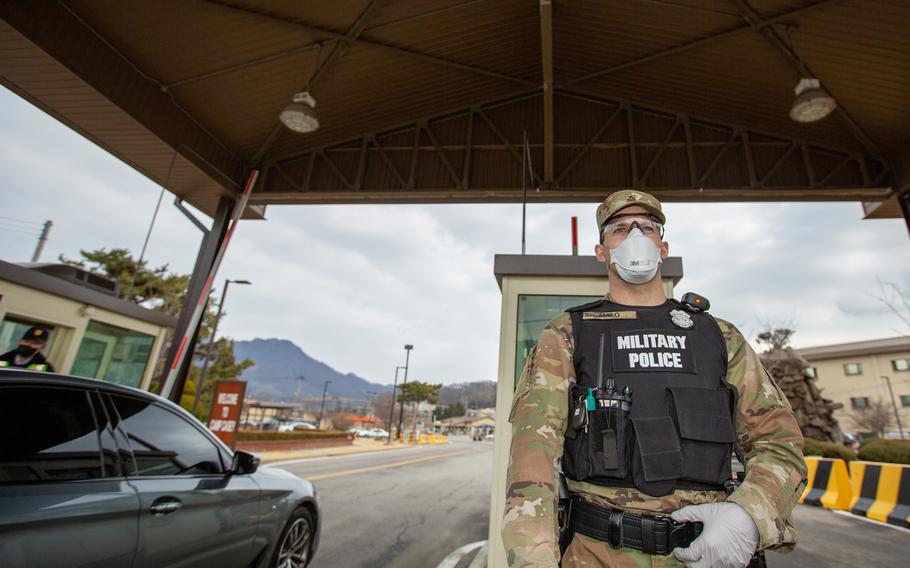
279, 364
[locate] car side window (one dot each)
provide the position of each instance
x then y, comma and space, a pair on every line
164, 443
48, 434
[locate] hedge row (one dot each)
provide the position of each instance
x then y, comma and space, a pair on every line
827, 450
887, 451
258, 435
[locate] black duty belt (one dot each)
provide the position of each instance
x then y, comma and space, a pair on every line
647, 533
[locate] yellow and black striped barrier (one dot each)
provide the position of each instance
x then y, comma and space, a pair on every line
881, 491
829, 484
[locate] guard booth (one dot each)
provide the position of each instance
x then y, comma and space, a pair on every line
535, 289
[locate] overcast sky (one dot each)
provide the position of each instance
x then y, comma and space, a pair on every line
352, 284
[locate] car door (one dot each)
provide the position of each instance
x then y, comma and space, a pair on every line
60, 504
193, 512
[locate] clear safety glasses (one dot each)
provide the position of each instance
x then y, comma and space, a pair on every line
620, 226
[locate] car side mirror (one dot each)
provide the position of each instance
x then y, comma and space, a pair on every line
244, 462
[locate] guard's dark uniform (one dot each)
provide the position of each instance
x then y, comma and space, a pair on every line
38, 362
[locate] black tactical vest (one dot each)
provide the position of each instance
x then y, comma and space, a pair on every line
677, 429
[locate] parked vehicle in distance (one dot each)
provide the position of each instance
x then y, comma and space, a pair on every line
372, 433
379, 433
97, 474
852, 442
291, 426
897, 435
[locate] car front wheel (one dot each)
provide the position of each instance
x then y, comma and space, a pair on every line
294, 545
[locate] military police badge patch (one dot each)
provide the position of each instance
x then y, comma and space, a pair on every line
681, 319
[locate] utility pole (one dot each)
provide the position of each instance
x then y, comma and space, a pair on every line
208, 351
300, 380
407, 357
894, 405
42, 239
325, 389
392, 406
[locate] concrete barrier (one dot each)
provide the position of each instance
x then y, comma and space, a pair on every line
881, 491
829, 484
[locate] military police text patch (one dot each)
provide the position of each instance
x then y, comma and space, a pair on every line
629, 315
650, 350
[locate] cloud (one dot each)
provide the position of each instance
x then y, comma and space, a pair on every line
351, 284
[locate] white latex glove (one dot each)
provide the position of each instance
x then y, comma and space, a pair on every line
728, 540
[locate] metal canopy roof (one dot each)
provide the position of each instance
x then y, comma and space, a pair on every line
427, 101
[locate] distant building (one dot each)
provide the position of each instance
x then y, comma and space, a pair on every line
257, 414
851, 374
93, 332
470, 425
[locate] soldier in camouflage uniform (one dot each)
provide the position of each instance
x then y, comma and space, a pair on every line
766, 434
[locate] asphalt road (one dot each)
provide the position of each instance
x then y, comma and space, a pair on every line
410, 508
830, 539
404, 508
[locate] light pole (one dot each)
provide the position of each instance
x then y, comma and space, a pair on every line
894, 405
208, 350
325, 389
407, 358
371, 397
392, 406
300, 380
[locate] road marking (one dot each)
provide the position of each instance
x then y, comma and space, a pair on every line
480, 559
873, 521
380, 467
451, 561
338, 456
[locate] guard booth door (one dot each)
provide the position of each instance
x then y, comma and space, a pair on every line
535, 289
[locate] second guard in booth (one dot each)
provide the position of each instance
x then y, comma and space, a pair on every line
27, 354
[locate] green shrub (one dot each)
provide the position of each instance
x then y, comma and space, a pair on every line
258, 435
827, 450
887, 451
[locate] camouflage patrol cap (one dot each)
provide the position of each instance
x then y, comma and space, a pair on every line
619, 200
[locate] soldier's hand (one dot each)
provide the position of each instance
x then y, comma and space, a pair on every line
729, 538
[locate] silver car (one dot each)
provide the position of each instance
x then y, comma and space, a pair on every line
97, 474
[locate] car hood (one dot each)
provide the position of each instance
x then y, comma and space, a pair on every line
273, 478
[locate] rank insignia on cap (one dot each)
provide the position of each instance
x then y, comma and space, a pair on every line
633, 197
38, 332
681, 319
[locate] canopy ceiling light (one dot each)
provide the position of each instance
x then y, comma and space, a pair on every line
300, 115
812, 102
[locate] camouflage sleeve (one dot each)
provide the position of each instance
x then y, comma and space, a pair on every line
538, 417
771, 443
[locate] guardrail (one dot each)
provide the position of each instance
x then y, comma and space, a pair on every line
877, 491
881, 491
829, 484
427, 439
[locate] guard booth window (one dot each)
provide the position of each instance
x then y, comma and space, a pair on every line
113, 354
12, 329
534, 313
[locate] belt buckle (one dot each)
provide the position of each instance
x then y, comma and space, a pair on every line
681, 534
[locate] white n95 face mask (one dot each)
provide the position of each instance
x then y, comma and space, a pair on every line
637, 258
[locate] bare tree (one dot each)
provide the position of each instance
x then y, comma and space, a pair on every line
897, 299
341, 420
876, 417
382, 407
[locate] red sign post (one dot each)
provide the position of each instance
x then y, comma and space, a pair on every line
226, 404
